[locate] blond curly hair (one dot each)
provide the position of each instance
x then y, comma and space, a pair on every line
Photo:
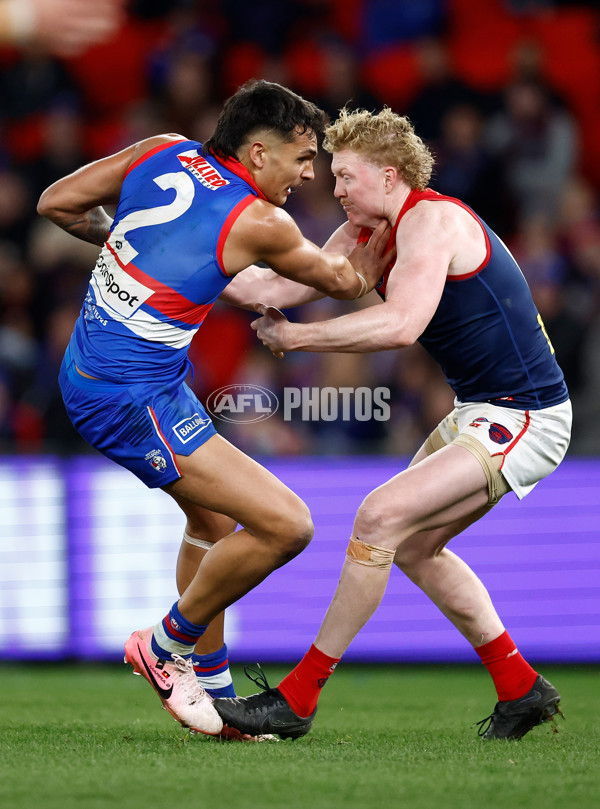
384, 138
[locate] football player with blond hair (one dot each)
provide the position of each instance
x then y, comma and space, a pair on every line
454, 287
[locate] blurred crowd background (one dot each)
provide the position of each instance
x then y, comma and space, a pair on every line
506, 93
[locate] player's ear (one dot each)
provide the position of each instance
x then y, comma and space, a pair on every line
389, 177
257, 153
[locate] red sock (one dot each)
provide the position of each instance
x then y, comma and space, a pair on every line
303, 685
511, 673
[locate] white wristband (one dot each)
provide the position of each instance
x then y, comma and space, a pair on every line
364, 287
22, 17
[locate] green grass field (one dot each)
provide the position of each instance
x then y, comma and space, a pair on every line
95, 737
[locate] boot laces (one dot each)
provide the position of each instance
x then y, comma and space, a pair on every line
482, 727
257, 676
188, 681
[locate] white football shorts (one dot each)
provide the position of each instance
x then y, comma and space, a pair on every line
532, 442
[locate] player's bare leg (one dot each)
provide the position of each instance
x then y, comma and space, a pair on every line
211, 655
413, 501
525, 698
409, 520
206, 527
414, 506
189, 560
446, 579
424, 548
210, 658
276, 527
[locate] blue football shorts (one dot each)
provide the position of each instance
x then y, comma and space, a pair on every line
142, 427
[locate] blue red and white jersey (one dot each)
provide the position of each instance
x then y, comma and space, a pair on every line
161, 269
486, 333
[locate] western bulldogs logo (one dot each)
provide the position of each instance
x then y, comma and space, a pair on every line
499, 434
156, 460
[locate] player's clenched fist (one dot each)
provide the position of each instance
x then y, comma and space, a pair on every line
270, 328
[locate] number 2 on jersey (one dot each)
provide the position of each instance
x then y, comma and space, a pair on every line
184, 188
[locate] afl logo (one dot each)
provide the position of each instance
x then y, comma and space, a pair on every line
242, 403
499, 434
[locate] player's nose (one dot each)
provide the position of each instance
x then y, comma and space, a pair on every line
308, 173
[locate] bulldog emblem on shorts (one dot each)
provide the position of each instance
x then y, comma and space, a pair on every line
156, 459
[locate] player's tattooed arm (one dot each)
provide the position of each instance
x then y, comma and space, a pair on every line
76, 202
91, 226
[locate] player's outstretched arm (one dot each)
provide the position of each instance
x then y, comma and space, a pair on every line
425, 247
256, 284
266, 233
75, 202
262, 285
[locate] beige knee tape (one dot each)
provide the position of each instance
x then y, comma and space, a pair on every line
361, 553
491, 464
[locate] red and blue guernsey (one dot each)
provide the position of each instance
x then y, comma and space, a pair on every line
161, 269
486, 333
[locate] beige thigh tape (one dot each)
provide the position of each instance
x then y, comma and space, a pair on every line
497, 485
361, 553
434, 442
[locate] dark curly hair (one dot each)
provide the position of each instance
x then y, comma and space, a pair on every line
263, 105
